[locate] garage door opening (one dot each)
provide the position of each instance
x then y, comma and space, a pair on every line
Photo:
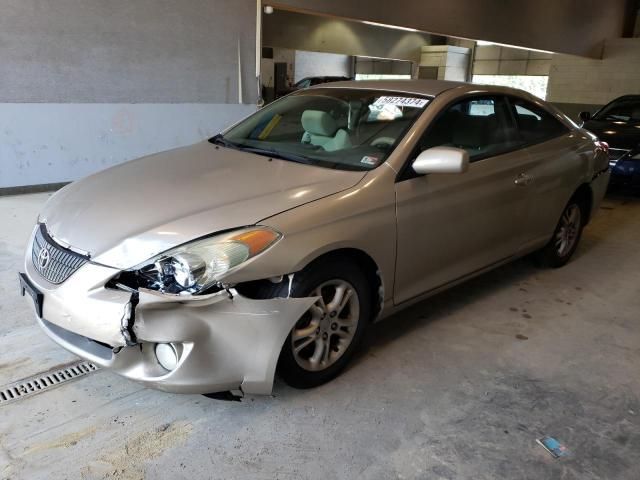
534, 84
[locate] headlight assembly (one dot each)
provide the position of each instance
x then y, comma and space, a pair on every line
197, 266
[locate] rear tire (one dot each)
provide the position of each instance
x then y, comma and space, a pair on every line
565, 237
324, 340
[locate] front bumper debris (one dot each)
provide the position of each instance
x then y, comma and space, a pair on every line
221, 342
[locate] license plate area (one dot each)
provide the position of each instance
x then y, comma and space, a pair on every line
27, 287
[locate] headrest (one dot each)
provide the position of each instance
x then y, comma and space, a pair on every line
317, 122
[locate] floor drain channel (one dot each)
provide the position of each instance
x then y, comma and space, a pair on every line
45, 381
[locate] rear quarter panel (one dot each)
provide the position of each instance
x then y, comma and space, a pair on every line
558, 166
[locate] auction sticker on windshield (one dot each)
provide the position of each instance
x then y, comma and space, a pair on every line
401, 102
370, 160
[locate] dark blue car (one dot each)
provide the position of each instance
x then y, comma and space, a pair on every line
618, 124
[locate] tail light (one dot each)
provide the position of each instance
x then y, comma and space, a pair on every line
606, 162
600, 145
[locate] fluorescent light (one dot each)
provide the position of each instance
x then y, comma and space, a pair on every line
485, 42
395, 27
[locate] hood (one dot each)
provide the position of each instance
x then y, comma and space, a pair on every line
126, 214
618, 135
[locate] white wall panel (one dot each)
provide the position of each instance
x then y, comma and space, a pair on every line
51, 143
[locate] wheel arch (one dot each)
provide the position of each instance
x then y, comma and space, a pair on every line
584, 196
366, 263
270, 287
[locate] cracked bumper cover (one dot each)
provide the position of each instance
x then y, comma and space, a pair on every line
222, 343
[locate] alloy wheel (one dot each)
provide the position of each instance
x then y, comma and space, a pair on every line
569, 230
327, 329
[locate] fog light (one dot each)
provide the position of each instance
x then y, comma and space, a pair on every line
167, 356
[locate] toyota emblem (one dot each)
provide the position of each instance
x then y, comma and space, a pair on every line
44, 257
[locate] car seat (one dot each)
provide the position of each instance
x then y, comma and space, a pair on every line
321, 129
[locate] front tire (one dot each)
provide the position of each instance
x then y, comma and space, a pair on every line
324, 340
566, 236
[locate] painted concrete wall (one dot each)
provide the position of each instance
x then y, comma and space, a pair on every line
451, 62
497, 60
153, 51
322, 34
311, 64
577, 84
85, 84
569, 26
43, 143
377, 66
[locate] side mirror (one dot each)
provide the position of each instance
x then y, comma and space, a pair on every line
585, 116
441, 160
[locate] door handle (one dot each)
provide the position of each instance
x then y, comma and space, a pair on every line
523, 180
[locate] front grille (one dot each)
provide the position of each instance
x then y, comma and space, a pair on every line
54, 262
616, 154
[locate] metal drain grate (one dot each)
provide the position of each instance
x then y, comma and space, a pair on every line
45, 381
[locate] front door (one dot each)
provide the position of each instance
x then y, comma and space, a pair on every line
452, 225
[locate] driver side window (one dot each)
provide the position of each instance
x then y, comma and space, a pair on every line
480, 125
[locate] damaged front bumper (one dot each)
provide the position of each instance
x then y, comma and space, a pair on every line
221, 342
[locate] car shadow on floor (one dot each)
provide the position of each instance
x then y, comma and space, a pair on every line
608, 219
624, 193
444, 304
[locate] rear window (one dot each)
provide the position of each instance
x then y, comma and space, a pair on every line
534, 123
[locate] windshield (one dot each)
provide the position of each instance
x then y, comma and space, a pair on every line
624, 110
348, 129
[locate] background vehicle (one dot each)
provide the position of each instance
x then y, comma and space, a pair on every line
313, 81
618, 124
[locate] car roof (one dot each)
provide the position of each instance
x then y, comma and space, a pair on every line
323, 76
430, 88
433, 88
420, 87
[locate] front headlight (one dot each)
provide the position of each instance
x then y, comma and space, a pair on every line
197, 266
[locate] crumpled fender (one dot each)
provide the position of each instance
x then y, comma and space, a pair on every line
228, 338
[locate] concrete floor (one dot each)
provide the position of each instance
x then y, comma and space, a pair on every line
458, 387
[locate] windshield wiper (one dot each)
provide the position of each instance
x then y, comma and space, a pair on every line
220, 140
268, 152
